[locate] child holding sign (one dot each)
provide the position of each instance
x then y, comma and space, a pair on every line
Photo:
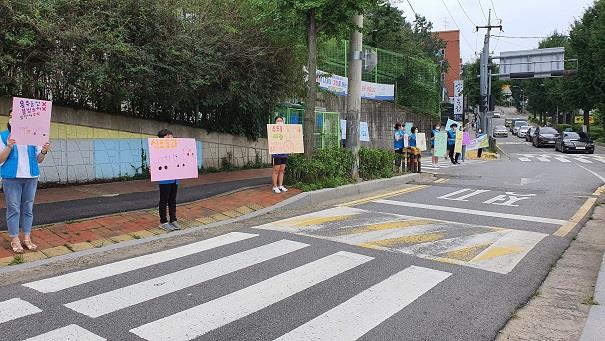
168, 189
20, 172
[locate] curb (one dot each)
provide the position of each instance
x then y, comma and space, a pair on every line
595, 324
298, 201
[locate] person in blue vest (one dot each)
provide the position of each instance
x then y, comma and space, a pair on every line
451, 143
414, 152
434, 132
279, 167
398, 145
20, 172
168, 190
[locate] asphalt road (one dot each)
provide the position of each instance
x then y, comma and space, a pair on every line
446, 259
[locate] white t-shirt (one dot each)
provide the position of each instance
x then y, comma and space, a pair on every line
23, 167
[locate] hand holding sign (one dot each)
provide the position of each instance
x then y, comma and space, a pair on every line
30, 122
285, 138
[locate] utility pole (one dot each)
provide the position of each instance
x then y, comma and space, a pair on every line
484, 76
354, 91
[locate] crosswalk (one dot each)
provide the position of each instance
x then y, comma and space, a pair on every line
483, 247
445, 164
349, 319
560, 158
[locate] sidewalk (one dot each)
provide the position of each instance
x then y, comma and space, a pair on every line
71, 236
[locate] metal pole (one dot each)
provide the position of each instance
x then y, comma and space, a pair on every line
354, 93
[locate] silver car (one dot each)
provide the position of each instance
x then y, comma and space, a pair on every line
517, 125
522, 132
500, 131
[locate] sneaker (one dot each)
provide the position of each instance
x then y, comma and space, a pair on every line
175, 225
166, 227
283, 189
276, 190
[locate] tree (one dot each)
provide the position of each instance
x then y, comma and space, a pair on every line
314, 18
470, 71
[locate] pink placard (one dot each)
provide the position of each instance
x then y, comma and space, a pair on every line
30, 124
466, 139
171, 159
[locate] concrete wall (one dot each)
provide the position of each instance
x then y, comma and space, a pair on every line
89, 146
381, 117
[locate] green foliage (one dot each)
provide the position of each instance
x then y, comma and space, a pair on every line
331, 163
375, 163
471, 83
214, 64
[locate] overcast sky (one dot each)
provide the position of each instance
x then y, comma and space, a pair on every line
520, 18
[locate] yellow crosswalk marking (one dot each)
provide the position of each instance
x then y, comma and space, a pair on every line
401, 241
390, 225
318, 220
385, 195
496, 251
466, 254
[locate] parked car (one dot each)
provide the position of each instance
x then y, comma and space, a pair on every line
512, 122
522, 132
530, 134
574, 142
500, 131
544, 136
496, 115
509, 121
518, 124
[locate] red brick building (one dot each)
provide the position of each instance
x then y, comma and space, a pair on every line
452, 56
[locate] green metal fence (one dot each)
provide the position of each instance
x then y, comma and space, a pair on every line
416, 79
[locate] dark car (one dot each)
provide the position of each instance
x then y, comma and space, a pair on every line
530, 134
574, 142
544, 136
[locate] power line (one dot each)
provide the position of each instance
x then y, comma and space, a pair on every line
525, 37
482, 11
409, 3
464, 11
457, 26
494, 8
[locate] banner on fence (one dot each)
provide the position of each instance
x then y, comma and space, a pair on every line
364, 132
171, 159
421, 141
440, 143
285, 138
30, 123
343, 129
458, 145
339, 85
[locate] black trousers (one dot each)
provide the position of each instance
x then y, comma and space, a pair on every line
168, 198
453, 156
479, 151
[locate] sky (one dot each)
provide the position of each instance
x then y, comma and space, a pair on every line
519, 18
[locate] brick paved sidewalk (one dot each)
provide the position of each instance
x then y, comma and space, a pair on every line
76, 192
63, 238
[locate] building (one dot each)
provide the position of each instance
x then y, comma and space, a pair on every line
452, 56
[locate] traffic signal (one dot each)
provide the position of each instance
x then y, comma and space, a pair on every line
487, 103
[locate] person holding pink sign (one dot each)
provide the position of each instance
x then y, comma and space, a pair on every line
279, 167
168, 189
19, 170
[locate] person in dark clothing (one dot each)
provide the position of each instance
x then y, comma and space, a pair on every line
451, 143
398, 146
168, 189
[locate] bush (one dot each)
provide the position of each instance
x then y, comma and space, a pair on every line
327, 166
375, 163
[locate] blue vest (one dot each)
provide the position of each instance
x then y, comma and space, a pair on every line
9, 168
451, 137
398, 144
412, 140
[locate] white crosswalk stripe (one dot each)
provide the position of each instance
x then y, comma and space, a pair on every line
345, 320
443, 164
73, 279
557, 157
16, 308
199, 320
69, 333
106, 303
360, 314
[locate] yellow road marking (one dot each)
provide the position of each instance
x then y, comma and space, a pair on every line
406, 240
441, 181
567, 227
467, 253
317, 220
382, 196
391, 225
496, 251
599, 191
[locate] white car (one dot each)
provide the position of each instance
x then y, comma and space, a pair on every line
518, 124
522, 132
496, 115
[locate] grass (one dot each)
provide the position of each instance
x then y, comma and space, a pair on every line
589, 300
17, 259
136, 236
538, 293
515, 316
